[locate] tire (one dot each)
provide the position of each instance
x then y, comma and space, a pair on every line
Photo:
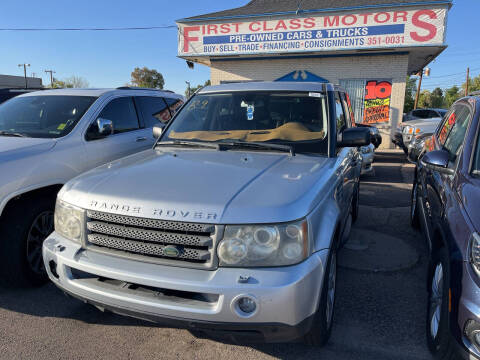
22, 231
405, 150
321, 329
356, 203
414, 215
439, 339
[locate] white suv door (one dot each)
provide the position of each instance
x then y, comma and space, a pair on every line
128, 135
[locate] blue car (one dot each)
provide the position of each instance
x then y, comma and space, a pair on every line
445, 199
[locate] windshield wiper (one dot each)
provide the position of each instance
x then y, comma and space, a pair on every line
259, 145
188, 143
15, 134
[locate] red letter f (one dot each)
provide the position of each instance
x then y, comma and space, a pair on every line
187, 39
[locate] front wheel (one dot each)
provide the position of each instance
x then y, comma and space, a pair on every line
321, 329
23, 230
356, 203
439, 339
414, 216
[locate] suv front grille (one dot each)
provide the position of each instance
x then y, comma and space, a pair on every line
154, 240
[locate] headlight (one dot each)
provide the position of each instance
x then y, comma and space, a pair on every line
69, 221
264, 245
407, 129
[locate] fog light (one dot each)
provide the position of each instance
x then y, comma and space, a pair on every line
245, 305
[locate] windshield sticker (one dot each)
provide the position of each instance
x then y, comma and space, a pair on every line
314, 94
61, 126
250, 111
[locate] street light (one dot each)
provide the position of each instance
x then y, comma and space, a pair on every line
24, 73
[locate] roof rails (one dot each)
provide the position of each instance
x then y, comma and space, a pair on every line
140, 88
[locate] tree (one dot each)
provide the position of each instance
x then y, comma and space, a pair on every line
451, 95
474, 84
58, 84
410, 91
71, 82
196, 88
437, 98
425, 99
76, 82
147, 78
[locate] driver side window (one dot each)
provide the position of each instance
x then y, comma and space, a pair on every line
458, 131
121, 111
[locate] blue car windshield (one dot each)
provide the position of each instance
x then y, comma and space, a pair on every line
42, 116
298, 119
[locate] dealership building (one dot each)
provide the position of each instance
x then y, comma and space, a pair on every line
367, 46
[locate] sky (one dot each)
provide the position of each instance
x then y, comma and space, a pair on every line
106, 58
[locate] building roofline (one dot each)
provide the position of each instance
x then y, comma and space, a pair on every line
324, 10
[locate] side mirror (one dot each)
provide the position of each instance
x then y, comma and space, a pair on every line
157, 131
354, 137
105, 127
437, 160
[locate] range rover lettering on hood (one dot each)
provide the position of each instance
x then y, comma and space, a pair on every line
155, 212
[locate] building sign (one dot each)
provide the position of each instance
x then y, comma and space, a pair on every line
348, 31
377, 102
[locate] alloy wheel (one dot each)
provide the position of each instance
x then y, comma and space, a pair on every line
436, 298
413, 208
332, 279
41, 227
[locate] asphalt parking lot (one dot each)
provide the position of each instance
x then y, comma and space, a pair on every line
380, 311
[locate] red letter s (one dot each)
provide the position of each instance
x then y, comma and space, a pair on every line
424, 25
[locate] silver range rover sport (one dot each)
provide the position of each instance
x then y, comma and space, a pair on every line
230, 225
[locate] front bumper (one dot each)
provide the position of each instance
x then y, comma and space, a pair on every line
286, 297
469, 310
367, 161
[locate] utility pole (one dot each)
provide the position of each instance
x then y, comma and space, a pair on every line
418, 90
468, 82
51, 76
425, 71
188, 91
24, 73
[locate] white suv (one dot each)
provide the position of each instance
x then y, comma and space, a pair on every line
49, 137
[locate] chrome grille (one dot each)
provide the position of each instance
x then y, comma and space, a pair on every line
147, 239
145, 248
150, 223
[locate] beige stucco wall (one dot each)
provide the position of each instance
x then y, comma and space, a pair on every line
333, 69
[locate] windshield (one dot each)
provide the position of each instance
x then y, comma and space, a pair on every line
42, 116
298, 119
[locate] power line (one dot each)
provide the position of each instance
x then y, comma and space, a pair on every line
454, 74
93, 29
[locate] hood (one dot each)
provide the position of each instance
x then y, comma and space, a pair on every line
422, 122
208, 186
13, 148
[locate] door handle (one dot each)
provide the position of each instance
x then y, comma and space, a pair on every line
141, 138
